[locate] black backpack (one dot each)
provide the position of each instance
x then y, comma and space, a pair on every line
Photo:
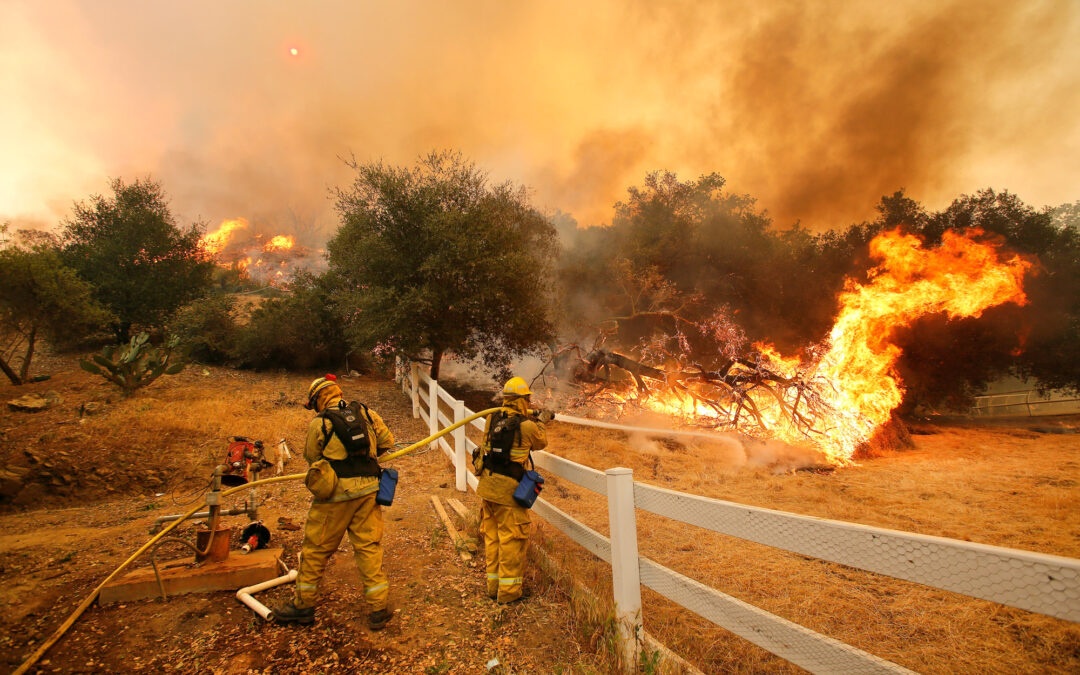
503, 434
353, 426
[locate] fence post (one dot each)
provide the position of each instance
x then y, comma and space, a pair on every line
625, 581
433, 412
460, 451
414, 380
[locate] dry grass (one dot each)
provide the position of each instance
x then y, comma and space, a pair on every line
997, 485
166, 437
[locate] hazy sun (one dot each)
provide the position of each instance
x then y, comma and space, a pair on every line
294, 51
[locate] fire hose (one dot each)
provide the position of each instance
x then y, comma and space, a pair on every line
89, 600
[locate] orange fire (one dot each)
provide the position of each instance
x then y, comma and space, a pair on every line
854, 373
214, 242
282, 242
239, 245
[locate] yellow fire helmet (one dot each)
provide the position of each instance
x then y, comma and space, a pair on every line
317, 387
516, 386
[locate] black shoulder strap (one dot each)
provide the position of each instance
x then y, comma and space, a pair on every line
367, 413
358, 461
497, 459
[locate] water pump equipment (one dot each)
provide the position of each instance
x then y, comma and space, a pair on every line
244, 461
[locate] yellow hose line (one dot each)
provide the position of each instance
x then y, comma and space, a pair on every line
40, 651
89, 600
433, 437
385, 458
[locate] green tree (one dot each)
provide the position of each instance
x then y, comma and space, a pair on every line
434, 258
142, 265
1041, 339
684, 249
1066, 216
39, 297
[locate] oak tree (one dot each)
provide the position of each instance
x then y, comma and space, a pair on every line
40, 298
435, 258
129, 247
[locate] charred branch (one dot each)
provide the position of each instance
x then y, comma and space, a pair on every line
732, 391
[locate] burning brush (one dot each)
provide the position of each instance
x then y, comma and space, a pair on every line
846, 389
271, 259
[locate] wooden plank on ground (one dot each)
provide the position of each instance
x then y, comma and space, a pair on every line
459, 508
183, 576
457, 539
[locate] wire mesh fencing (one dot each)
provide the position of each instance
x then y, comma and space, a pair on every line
1031, 581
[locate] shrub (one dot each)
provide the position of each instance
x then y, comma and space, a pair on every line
301, 330
207, 328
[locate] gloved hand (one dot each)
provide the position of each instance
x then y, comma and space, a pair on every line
543, 415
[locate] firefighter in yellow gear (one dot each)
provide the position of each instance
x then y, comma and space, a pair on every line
509, 437
343, 443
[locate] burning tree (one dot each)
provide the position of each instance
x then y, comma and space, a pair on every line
834, 397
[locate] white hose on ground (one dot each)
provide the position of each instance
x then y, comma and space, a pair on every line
244, 595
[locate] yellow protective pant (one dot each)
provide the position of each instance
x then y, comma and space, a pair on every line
326, 524
506, 534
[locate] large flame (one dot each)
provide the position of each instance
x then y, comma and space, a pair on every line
262, 257
282, 242
855, 372
962, 277
214, 242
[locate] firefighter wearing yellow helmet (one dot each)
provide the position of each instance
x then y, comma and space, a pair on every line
509, 437
343, 443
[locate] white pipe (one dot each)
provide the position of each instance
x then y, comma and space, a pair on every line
244, 595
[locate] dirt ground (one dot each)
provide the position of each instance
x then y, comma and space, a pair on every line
81, 492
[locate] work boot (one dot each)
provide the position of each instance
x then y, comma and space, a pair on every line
525, 594
290, 613
379, 618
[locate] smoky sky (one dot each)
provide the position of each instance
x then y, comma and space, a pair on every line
817, 109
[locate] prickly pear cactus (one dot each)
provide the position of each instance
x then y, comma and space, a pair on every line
135, 364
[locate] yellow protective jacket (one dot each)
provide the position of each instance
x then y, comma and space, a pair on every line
321, 442
496, 487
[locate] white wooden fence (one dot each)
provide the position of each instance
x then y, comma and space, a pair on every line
1026, 402
1035, 582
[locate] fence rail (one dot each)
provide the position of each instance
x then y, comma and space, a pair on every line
578, 474
1032, 581
1029, 403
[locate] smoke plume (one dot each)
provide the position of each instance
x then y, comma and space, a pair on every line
817, 109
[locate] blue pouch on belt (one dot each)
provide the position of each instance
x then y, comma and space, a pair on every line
529, 489
387, 487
